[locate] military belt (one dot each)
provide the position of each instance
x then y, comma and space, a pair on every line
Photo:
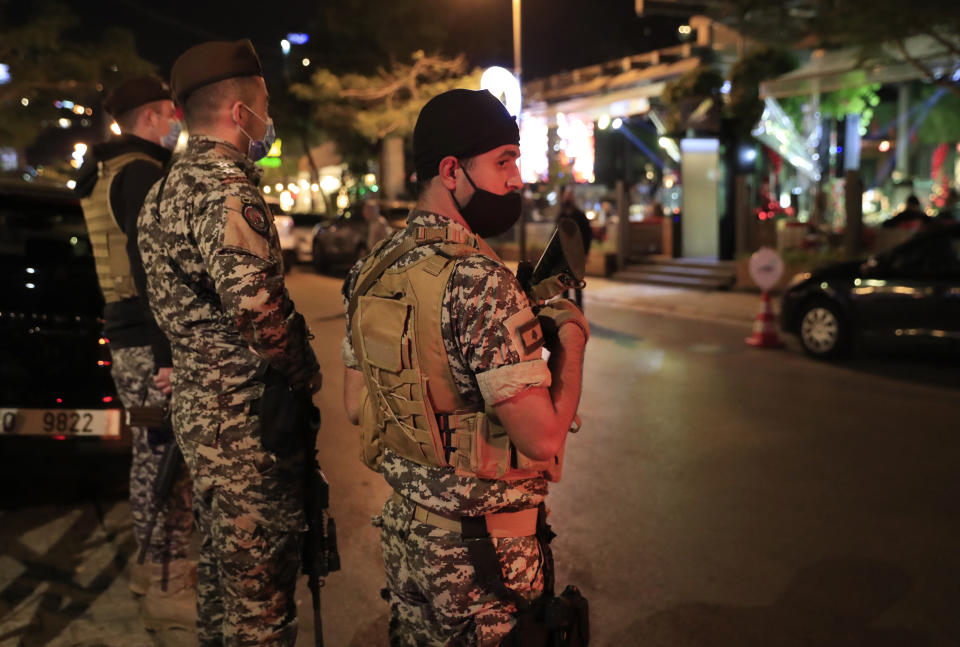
522, 523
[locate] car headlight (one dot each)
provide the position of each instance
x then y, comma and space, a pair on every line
798, 279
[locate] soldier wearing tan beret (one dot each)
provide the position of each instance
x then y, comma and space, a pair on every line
216, 284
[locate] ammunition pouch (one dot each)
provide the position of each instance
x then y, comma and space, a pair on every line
286, 416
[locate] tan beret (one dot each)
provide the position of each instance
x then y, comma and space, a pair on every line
133, 93
211, 62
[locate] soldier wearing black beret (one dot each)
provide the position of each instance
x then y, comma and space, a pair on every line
216, 284
112, 185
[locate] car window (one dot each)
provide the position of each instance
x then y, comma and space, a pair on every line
935, 257
43, 233
46, 254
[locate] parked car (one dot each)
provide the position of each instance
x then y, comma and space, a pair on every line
302, 230
56, 395
296, 229
912, 290
343, 240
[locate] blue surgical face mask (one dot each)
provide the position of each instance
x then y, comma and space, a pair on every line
258, 148
169, 141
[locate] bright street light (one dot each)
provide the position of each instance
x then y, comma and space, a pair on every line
500, 82
285, 46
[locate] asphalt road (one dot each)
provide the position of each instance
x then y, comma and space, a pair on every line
717, 495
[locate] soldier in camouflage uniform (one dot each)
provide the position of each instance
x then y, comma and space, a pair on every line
216, 283
480, 368
112, 185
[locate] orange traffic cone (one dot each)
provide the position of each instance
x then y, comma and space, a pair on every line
765, 327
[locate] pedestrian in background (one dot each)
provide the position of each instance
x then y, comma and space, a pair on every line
215, 279
458, 411
377, 225
912, 217
112, 185
570, 210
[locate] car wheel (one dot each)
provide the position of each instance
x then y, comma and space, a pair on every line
824, 331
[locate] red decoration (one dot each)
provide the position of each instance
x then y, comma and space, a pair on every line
941, 183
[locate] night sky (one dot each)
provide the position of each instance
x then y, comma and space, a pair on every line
557, 34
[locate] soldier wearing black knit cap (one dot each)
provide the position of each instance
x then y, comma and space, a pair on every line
459, 411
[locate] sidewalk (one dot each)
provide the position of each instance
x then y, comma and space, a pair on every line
734, 308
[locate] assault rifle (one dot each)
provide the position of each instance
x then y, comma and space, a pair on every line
320, 556
561, 266
289, 422
170, 464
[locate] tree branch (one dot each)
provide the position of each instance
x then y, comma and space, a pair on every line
928, 73
950, 45
22, 89
407, 78
383, 132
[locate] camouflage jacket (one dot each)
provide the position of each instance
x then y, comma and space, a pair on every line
215, 278
481, 298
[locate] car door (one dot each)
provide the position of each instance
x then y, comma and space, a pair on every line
898, 294
946, 305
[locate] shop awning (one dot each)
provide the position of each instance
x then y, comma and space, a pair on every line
844, 68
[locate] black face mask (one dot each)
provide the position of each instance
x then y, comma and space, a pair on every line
488, 214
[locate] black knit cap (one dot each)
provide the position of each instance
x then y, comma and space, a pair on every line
211, 62
134, 93
462, 123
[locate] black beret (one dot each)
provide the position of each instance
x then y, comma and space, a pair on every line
133, 93
211, 62
462, 123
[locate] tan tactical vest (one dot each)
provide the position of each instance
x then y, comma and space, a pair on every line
411, 403
107, 239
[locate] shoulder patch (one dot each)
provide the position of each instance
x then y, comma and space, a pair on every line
256, 217
525, 334
237, 232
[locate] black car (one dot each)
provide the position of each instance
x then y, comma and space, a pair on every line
56, 395
343, 240
912, 290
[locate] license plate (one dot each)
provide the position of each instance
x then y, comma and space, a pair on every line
60, 422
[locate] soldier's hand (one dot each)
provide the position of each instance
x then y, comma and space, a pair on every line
161, 380
556, 318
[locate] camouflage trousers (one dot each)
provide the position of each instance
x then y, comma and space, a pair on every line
132, 371
434, 597
247, 502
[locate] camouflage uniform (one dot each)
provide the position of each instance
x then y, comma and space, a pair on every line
216, 283
132, 369
434, 599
